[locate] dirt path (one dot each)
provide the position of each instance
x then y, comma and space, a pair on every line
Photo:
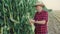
53, 23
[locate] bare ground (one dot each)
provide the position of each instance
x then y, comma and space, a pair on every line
54, 22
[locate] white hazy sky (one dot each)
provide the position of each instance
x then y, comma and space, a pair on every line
52, 4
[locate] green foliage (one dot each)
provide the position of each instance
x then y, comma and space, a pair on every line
14, 16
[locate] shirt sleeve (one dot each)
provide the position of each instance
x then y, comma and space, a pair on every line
35, 16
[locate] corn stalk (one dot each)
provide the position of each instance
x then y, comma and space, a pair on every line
15, 15
14, 18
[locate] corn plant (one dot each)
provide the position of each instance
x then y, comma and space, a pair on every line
15, 15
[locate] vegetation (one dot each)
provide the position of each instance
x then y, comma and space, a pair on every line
15, 15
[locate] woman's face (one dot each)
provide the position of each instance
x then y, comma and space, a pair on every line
38, 8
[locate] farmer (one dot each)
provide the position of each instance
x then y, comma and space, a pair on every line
40, 19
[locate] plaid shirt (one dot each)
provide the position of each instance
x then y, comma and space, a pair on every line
41, 28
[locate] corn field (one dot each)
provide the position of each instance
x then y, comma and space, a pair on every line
15, 15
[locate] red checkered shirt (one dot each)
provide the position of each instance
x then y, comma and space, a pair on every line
41, 28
